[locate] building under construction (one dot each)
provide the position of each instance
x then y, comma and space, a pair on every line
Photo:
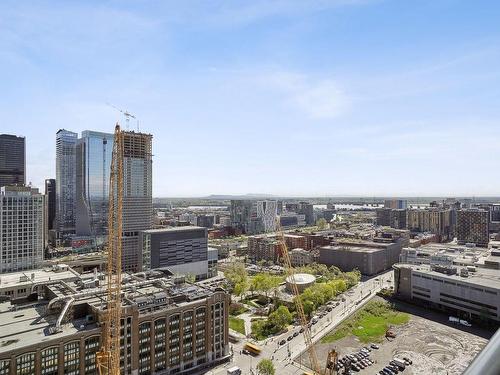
137, 195
169, 326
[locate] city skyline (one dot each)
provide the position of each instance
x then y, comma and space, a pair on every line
339, 89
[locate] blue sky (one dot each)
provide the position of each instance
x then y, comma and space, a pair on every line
308, 98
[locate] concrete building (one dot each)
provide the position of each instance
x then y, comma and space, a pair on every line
94, 151
300, 257
65, 181
181, 250
205, 221
434, 220
12, 160
138, 195
22, 228
21, 284
50, 196
457, 291
169, 327
368, 257
472, 227
292, 220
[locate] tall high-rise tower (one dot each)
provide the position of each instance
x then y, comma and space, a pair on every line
12, 160
137, 195
93, 160
65, 181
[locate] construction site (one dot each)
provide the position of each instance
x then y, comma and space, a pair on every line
427, 340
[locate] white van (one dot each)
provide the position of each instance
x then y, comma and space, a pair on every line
234, 371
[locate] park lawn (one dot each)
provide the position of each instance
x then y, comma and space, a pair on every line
369, 324
237, 324
235, 312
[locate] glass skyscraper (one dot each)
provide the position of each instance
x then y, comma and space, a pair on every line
94, 151
65, 181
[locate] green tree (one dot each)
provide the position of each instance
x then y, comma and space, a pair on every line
280, 318
240, 288
236, 273
321, 224
266, 367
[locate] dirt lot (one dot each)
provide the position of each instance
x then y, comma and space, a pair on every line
434, 346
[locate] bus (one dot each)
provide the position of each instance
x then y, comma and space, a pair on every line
252, 348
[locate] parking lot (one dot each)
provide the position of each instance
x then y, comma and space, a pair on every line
427, 340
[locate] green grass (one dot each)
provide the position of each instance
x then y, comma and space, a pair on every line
237, 324
369, 324
237, 311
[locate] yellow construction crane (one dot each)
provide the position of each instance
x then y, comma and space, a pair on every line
108, 357
298, 303
331, 361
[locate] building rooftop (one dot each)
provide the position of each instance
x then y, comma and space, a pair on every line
175, 229
33, 322
355, 248
38, 276
301, 278
481, 276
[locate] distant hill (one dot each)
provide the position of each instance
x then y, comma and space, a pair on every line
245, 196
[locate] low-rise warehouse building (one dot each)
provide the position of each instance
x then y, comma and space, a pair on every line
368, 257
470, 292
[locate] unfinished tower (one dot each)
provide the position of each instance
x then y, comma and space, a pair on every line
137, 195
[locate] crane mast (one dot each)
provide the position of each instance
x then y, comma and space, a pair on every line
108, 357
298, 302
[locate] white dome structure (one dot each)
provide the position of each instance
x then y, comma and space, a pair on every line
302, 280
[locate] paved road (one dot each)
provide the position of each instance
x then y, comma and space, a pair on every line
282, 355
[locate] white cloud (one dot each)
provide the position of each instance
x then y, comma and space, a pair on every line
320, 99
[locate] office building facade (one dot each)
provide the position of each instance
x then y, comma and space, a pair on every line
181, 250
94, 151
12, 160
65, 181
137, 195
22, 228
473, 227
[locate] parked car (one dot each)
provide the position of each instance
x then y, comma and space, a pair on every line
295, 334
374, 346
289, 338
408, 360
282, 342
